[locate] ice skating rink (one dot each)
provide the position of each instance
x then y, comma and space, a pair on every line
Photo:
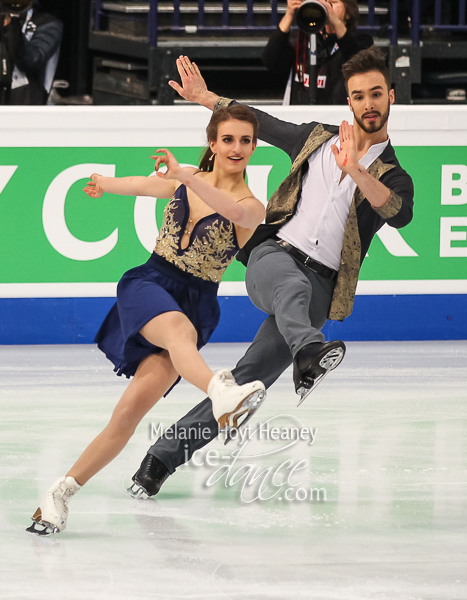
371, 504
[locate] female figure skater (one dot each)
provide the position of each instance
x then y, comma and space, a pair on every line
167, 309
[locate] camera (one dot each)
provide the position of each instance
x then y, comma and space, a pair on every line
14, 7
311, 16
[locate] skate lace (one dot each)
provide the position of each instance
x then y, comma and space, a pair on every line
227, 379
65, 493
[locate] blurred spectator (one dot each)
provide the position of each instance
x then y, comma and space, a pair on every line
29, 47
337, 43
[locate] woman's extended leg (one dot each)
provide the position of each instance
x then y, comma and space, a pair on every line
154, 376
174, 332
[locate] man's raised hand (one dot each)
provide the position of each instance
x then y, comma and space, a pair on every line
193, 88
347, 158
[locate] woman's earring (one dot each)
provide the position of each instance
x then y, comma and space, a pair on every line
211, 158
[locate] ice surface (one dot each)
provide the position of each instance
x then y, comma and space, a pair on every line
390, 455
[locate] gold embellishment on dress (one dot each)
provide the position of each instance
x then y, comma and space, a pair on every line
190, 224
206, 257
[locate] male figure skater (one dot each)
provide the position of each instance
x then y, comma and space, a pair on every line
344, 184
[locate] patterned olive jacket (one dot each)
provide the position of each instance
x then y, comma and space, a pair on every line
299, 142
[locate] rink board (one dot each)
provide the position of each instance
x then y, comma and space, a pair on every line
62, 253
375, 318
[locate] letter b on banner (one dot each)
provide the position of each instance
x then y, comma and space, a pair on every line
449, 184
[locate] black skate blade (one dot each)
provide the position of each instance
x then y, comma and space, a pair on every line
48, 528
329, 362
332, 359
252, 403
305, 392
137, 492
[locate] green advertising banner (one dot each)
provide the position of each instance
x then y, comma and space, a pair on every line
53, 232
434, 245
54, 236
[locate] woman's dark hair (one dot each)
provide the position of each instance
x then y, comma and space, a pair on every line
234, 111
351, 13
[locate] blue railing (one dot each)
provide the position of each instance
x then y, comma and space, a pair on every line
201, 27
437, 23
371, 26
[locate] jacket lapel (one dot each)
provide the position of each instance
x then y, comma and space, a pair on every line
344, 290
282, 203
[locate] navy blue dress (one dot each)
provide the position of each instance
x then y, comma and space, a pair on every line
173, 279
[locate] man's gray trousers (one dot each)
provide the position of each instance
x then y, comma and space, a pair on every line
297, 302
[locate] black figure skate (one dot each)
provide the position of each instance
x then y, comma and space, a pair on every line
312, 363
149, 478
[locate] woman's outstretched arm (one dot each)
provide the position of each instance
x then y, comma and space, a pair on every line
131, 186
248, 214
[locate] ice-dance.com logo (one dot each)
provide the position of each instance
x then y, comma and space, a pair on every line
258, 466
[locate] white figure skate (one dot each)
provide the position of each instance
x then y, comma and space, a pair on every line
231, 401
52, 514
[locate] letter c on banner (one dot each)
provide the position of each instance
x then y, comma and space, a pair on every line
145, 220
53, 215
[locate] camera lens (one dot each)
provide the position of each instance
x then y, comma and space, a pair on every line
311, 16
15, 5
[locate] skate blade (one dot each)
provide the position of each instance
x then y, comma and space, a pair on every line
137, 491
229, 422
42, 528
332, 359
304, 392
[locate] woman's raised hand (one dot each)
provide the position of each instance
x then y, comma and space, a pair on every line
169, 160
93, 189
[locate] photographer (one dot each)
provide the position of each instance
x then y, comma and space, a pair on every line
336, 44
29, 49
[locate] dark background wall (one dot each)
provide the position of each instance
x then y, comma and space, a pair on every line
75, 64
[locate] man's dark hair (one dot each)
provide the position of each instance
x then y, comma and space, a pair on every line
371, 59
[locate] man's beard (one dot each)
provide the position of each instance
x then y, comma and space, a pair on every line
374, 126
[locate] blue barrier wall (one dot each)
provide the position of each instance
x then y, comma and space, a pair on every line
76, 320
